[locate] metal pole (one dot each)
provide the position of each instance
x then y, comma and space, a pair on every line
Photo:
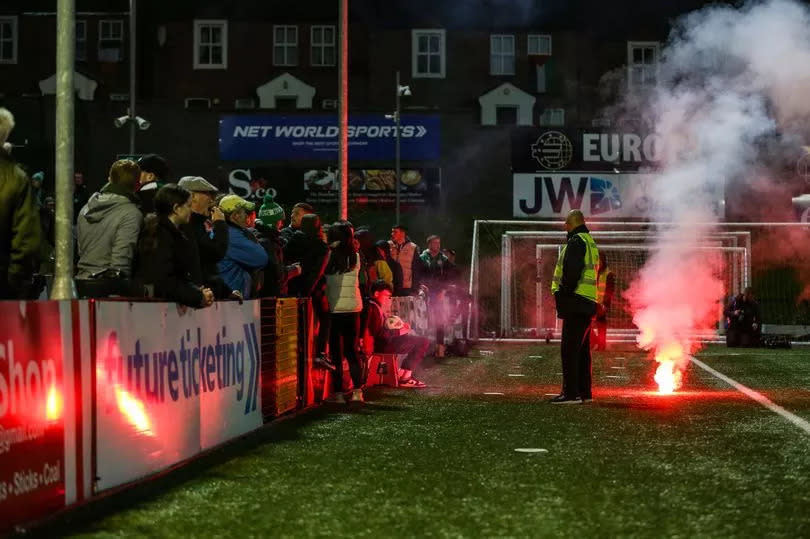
132, 123
343, 114
63, 287
396, 114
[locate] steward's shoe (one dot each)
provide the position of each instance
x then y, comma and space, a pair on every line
562, 399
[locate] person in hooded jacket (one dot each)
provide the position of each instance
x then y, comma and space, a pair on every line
164, 251
244, 257
108, 227
19, 221
269, 221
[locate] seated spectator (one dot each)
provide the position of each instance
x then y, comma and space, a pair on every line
268, 223
19, 222
154, 173
298, 212
108, 228
743, 320
207, 233
406, 254
390, 335
164, 251
244, 256
384, 250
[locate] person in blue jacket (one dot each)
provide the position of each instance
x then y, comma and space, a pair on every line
245, 256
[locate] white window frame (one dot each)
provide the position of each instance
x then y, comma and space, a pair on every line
497, 60
538, 38
199, 24
285, 45
14, 39
120, 39
323, 45
633, 84
81, 23
415, 35
552, 117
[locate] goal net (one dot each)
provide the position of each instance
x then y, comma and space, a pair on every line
513, 262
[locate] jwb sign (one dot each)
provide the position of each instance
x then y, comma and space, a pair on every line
372, 137
597, 195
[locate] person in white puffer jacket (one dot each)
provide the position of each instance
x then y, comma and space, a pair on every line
345, 305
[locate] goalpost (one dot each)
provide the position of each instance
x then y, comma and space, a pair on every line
506, 275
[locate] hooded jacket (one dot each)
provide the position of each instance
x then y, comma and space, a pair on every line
108, 229
19, 228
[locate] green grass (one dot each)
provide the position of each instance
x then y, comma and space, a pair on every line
707, 462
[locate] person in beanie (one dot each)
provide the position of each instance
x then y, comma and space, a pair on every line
154, 172
269, 222
244, 256
19, 221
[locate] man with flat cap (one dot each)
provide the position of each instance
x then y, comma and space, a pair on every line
574, 288
207, 235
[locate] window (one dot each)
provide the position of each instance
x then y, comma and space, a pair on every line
539, 44
553, 117
8, 40
501, 55
110, 41
428, 56
642, 64
210, 44
285, 45
81, 41
323, 46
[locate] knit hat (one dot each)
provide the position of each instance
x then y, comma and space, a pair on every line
270, 213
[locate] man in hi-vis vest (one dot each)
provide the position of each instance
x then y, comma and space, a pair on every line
575, 292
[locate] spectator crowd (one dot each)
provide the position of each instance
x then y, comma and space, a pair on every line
143, 236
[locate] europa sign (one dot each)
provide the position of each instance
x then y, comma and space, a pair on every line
553, 150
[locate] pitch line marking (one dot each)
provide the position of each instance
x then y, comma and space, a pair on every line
759, 397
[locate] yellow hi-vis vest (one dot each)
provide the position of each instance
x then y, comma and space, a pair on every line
587, 281
601, 285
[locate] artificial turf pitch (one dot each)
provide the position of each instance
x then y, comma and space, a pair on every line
705, 462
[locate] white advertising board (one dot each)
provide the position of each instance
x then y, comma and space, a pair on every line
599, 195
171, 381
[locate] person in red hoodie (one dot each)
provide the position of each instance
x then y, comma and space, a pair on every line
390, 335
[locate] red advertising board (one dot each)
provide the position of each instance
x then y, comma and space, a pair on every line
32, 429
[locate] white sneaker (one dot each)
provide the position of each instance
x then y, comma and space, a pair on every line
357, 395
337, 398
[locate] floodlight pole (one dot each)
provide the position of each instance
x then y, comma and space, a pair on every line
397, 158
343, 110
63, 287
131, 112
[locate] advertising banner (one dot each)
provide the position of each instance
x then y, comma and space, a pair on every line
418, 187
171, 381
269, 137
32, 429
602, 196
557, 149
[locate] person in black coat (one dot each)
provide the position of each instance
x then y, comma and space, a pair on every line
165, 252
207, 233
269, 222
396, 269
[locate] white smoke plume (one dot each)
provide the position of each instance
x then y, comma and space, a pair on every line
731, 81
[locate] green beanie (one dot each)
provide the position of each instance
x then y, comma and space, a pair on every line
270, 213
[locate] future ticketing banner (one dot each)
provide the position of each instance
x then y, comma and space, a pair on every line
32, 429
170, 382
372, 137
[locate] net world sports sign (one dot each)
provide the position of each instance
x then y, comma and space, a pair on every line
372, 137
602, 196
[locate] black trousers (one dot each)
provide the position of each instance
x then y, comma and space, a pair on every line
413, 345
343, 343
576, 357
